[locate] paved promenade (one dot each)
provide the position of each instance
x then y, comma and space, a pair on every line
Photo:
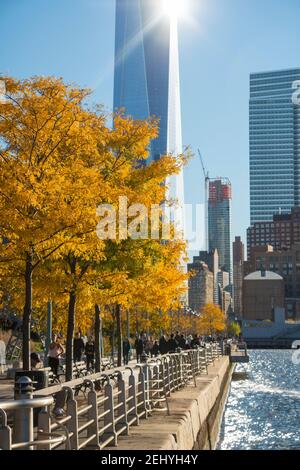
189, 411
6, 388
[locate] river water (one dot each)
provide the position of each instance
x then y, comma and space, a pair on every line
263, 409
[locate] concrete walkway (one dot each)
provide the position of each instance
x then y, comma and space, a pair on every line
189, 411
6, 388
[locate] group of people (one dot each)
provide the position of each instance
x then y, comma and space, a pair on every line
81, 346
146, 346
84, 346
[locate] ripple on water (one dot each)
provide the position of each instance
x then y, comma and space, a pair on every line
263, 409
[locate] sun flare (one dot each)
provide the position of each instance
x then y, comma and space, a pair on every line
174, 8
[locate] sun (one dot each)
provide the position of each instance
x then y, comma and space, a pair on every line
174, 8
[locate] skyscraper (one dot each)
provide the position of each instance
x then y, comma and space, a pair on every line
201, 285
219, 221
274, 144
238, 274
147, 75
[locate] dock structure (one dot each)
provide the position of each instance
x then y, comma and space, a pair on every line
239, 354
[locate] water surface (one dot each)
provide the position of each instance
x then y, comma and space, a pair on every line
263, 409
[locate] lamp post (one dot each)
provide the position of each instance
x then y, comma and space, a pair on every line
49, 331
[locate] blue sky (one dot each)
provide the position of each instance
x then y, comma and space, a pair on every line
221, 43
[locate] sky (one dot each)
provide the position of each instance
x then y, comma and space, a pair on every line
221, 43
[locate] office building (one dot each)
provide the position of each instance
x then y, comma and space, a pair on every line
219, 221
274, 144
282, 232
238, 274
201, 285
263, 292
147, 78
286, 263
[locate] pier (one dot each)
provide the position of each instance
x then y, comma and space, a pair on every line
174, 402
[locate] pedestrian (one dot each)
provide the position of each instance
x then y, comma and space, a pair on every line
182, 342
172, 344
126, 351
35, 359
149, 346
139, 347
163, 345
78, 347
54, 353
195, 343
90, 353
177, 337
155, 349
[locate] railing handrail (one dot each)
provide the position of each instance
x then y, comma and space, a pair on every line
130, 393
8, 405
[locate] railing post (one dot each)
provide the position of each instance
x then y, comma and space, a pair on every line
93, 415
142, 402
132, 416
192, 363
23, 423
148, 386
5, 432
166, 369
178, 372
172, 374
72, 424
109, 418
44, 427
122, 409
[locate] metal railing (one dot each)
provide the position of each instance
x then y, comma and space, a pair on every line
110, 403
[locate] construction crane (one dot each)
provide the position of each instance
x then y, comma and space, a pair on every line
206, 181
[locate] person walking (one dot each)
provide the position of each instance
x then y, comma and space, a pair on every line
182, 342
163, 345
155, 349
149, 346
54, 353
195, 342
177, 337
90, 353
139, 347
78, 347
172, 344
126, 351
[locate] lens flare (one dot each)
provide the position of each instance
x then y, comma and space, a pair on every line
174, 8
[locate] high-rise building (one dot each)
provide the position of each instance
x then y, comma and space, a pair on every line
147, 76
212, 261
238, 274
286, 263
219, 221
274, 144
201, 285
225, 288
282, 232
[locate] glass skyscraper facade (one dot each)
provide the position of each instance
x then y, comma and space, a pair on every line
219, 221
274, 144
147, 75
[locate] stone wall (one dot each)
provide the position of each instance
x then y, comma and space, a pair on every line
194, 420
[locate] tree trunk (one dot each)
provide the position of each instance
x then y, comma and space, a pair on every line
98, 339
112, 336
70, 336
119, 334
27, 314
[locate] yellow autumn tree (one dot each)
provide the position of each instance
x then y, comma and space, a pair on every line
58, 162
212, 320
46, 140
